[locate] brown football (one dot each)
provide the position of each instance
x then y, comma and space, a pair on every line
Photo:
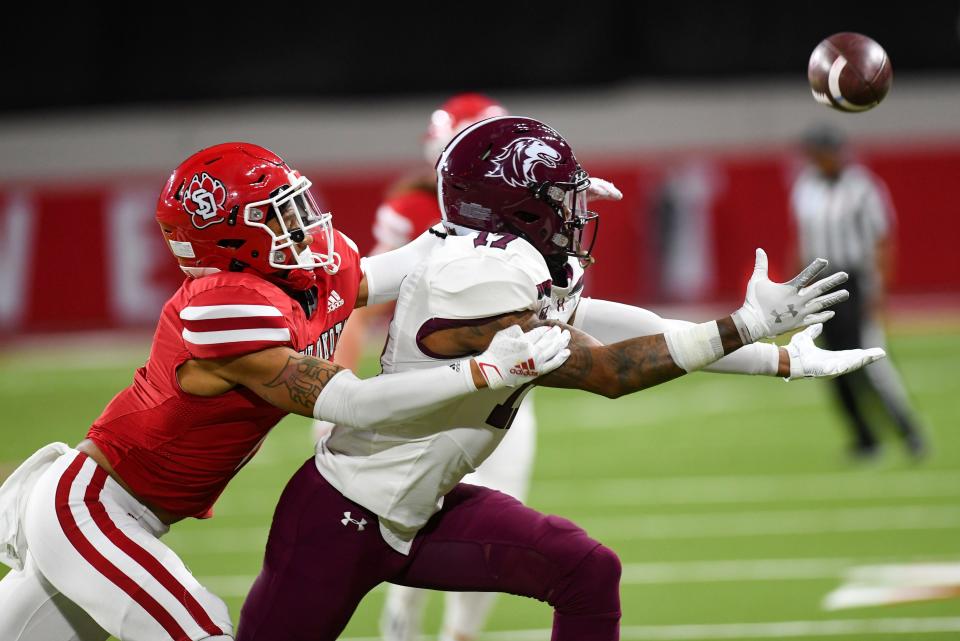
849, 72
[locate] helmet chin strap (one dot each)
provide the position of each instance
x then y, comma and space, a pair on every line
295, 279
559, 269
458, 230
304, 257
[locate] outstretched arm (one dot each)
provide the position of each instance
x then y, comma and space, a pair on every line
609, 370
383, 273
640, 362
320, 389
611, 322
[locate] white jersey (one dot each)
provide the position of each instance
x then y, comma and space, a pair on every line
402, 472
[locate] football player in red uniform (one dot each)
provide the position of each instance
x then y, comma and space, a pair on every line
244, 341
515, 231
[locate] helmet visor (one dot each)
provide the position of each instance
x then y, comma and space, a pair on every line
580, 225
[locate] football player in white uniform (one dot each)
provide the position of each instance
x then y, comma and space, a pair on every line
410, 208
387, 504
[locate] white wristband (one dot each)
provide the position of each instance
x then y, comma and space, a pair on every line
695, 346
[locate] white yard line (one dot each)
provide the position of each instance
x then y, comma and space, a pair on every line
666, 573
772, 630
736, 570
698, 490
704, 400
226, 586
773, 522
837, 486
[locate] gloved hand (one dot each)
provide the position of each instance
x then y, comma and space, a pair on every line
601, 189
771, 309
809, 361
514, 357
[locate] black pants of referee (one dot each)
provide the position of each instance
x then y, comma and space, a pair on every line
863, 392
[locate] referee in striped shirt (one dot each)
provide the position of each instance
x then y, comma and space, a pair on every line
843, 212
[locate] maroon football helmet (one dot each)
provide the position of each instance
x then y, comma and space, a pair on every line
239, 207
518, 175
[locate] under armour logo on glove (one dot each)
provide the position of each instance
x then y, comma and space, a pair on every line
778, 317
346, 520
803, 300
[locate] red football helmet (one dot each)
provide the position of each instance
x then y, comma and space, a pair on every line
518, 175
238, 206
455, 115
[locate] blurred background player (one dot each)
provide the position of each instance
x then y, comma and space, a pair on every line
843, 212
409, 210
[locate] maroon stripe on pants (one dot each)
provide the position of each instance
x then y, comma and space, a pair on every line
146, 560
100, 563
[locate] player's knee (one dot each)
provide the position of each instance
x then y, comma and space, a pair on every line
215, 617
605, 567
217, 612
594, 586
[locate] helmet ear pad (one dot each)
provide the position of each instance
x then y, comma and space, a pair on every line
537, 228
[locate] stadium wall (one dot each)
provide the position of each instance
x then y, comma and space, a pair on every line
706, 172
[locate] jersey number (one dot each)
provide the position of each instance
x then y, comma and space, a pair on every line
502, 415
484, 239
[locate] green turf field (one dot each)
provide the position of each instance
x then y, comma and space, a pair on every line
728, 499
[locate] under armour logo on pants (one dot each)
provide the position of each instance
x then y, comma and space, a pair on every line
346, 520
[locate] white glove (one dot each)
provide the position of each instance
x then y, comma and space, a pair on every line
601, 189
771, 309
514, 357
809, 361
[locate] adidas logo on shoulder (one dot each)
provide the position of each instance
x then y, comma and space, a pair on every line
334, 301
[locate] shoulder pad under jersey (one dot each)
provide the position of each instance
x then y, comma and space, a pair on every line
486, 274
230, 314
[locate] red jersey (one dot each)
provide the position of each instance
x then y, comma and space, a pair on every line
178, 451
405, 216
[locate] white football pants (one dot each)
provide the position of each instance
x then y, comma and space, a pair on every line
508, 470
95, 566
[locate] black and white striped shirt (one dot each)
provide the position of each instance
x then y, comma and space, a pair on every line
841, 220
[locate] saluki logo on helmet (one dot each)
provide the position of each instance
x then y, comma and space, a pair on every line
516, 162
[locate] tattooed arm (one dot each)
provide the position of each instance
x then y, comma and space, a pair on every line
769, 309
314, 387
609, 370
282, 377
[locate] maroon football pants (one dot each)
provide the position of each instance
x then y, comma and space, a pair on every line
321, 561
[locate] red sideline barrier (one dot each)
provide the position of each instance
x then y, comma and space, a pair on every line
90, 256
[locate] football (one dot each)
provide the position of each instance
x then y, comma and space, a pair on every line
849, 72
